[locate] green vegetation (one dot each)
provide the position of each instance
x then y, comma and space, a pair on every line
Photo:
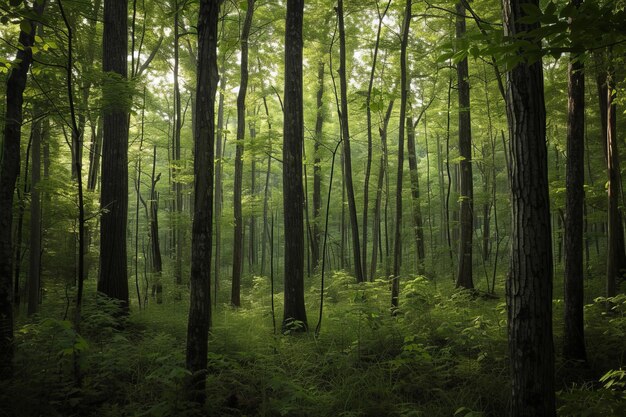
444, 354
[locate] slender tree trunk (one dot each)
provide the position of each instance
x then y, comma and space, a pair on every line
616, 261
294, 317
466, 197
34, 270
573, 334
418, 228
178, 186
397, 247
9, 170
155, 246
266, 191
95, 150
200, 281
529, 284
317, 169
235, 297
218, 178
382, 173
354, 226
19, 252
368, 112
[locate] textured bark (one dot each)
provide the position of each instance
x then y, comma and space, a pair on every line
397, 247
200, 282
317, 169
35, 221
354, 225
16, 83
418, 228
113, 279
293, 193
466, 196
235, 295
529, 284
573, 334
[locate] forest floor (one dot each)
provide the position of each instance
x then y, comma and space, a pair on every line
443, 354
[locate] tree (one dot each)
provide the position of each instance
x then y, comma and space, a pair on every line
113, 279
35, 219
529, 283
294, 316
574, 334
466, 196
347, 155
201, 239
404, 86
9, 170
235, 299
616, 259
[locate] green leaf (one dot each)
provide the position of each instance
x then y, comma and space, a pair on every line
25, 26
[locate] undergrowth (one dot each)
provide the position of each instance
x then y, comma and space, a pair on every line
443, 354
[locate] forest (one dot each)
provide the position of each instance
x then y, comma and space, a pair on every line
312, 208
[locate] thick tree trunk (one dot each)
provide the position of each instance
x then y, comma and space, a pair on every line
573, 334
354, 226
113, 279
466, 197
200, 282
16, 83
529, 284
235, 297
397, 247
293, 193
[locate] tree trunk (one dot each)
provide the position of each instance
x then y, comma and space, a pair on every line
529, 283
294, 317
397, 247
155, 246
178, 186
200, 281
418, 228
34, 270
218, 179
368, 113
113, 279
317, 169
616, 262
573, 334
235, 297
9, 170
466, 197
356, 250
382, 169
